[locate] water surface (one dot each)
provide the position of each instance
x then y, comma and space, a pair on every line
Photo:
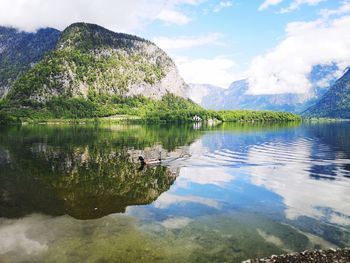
222, 194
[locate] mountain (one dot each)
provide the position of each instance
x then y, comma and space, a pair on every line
335, 103
20, 50
198, 92
91, 60
237, 96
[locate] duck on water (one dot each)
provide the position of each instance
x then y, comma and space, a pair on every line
150, 161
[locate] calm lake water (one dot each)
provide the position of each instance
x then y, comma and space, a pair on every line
222, 194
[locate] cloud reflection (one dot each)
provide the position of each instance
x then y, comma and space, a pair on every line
286, 169
176, 222
16, 235
204, 176
167, 199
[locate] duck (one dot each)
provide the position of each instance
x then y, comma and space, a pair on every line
150, 161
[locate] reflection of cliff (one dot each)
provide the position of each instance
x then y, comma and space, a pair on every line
45, 174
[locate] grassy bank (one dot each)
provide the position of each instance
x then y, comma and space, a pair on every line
101, 108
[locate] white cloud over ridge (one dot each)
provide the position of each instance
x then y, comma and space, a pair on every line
285, 69
117, 15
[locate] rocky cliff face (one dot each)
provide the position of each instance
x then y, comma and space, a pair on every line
19, 51
90, 59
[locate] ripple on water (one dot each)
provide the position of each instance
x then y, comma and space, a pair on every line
314, 158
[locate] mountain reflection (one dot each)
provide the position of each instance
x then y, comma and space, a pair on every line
83, 172
260, 189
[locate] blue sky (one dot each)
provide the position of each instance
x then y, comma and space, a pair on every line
217, 41
245, 31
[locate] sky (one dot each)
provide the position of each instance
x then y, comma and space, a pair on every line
272, 43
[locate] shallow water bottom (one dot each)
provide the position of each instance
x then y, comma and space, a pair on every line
118, 238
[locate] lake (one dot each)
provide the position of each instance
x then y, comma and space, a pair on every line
222, 194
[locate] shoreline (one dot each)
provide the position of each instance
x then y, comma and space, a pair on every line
133, 119
317, 256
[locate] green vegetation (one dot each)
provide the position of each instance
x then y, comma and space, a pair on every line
170, 109
90, 59
252, 116
97, 74
91, 74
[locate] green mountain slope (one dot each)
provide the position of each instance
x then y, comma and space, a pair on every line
335, 103
90, 59
93, 72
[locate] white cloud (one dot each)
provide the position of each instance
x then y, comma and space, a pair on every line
117, 15
267, 3
343, 9
171, 43
297, 3
222, 5
285, 69
218, 71
173, 17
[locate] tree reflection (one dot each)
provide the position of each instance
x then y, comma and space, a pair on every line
84, 172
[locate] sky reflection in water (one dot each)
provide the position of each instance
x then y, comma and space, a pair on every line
227, 193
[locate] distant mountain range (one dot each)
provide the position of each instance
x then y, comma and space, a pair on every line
237, 96
335, 103
200, 93
87, 60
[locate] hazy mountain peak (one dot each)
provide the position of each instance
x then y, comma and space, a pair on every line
237, 96
197, 92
